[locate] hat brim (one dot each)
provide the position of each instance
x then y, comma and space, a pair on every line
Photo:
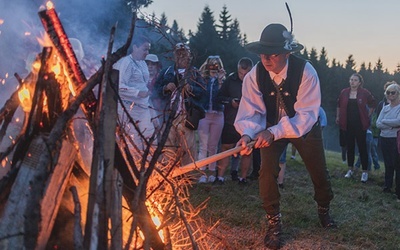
259, 48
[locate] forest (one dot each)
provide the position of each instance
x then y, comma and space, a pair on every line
217, 33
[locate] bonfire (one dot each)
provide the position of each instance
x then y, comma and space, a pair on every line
117, 201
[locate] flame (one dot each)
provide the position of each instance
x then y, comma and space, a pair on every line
27, 33
4, 162
56, 69
25, 99
36, 65
153, 207
49, 5
45, 40
1, 21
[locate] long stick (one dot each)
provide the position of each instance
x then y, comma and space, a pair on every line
208, 160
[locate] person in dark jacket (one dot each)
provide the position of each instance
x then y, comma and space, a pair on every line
230, 94
181, 89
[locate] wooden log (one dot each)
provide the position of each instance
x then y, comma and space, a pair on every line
14, 223
58, 36
204, 162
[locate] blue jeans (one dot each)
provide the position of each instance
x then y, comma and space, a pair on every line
374, 153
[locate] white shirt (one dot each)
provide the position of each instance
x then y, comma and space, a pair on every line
133, 77
252, 113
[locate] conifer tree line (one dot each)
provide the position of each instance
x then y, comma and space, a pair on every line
220, 34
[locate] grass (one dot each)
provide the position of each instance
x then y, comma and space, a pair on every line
367, 218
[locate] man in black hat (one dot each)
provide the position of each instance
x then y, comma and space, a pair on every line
280, 103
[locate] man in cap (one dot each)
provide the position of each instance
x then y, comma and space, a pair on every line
280, 103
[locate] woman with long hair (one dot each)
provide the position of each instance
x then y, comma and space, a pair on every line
210, 127
354, 108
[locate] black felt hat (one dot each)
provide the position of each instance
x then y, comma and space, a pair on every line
275, 39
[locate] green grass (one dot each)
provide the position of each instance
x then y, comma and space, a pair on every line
367, 218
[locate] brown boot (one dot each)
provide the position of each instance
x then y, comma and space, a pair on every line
325, 219
272, 239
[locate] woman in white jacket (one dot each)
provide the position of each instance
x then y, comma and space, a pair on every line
389, 123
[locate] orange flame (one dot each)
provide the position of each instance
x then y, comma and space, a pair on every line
49, 5
25, 99
1, 21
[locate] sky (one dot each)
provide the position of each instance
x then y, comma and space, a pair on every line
366, 29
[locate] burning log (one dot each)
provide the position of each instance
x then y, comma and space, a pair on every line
55, 30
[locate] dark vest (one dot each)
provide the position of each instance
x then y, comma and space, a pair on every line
287, 90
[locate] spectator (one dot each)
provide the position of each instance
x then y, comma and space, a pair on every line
354, 108
389, 123
279, 105
210, 127
230, 94
133, 80
154, 66
182, 83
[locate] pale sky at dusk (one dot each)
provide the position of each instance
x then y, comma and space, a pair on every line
367, 29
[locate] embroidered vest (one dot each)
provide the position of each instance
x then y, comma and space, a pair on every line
282, 96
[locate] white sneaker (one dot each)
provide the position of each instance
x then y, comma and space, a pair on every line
349, 174
293, 157
364, 177
203, 179
211, 178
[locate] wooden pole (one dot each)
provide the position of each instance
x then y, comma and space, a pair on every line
208, 160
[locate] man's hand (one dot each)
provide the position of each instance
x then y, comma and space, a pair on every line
246, 150
264, 139
170, 87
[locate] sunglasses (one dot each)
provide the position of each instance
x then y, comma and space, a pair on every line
391, 92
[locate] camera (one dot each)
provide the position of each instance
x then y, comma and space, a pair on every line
213, 67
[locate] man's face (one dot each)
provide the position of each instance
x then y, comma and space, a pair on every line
274, 62
140, 53
243, 72
182, 58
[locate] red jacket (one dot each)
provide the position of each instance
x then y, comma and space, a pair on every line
364, 99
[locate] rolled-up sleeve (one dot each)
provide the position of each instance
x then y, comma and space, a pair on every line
251, 116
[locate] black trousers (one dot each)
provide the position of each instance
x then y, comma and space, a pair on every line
311, 150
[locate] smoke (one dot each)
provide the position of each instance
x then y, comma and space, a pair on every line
88, 21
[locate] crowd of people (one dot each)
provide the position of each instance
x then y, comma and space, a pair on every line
274, 103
